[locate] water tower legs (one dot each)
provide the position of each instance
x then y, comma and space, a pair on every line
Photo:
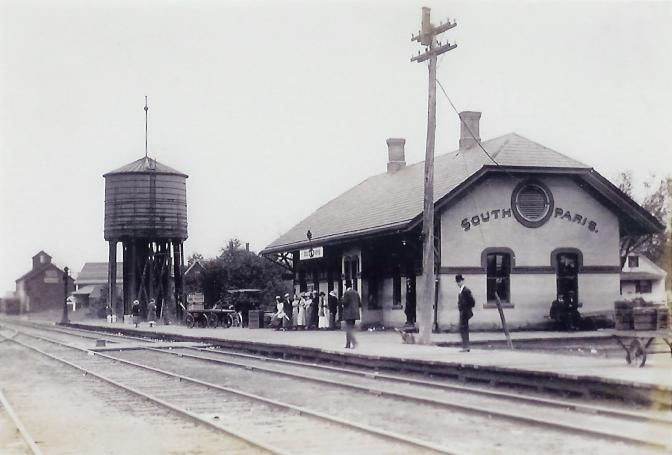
178, 268
112, 280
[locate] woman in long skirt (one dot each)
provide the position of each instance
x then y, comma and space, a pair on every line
151, 312
323, 313
301, 318
295, 312
308, 313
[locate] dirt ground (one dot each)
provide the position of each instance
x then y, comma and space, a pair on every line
68, 413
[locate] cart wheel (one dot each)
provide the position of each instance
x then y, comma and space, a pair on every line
189, 321
212, 321
636, 354
226, 321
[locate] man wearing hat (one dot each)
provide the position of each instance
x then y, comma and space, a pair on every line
333, 308
465, 303
287, 308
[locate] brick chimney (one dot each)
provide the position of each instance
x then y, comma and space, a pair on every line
469, 120
396, 156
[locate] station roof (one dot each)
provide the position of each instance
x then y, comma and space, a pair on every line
391, 202
145, 165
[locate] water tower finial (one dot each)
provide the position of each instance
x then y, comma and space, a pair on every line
146, 109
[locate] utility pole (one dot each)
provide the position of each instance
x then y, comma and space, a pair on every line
66, 276
433, 48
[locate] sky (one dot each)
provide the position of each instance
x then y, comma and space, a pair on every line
275, 107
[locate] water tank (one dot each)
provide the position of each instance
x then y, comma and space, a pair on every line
145, 200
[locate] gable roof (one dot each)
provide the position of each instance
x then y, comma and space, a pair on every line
96, 273
42, 252
34, 272
194, 265
393, 201
145, 165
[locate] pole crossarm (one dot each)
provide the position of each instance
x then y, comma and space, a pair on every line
435, 51
436, 30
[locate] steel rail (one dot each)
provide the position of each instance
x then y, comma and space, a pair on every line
555, 403
507, 416
199, 420
583, 408
300, 410
68, 330
578, 407
30, 441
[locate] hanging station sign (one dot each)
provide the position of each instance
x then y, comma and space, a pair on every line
311, 253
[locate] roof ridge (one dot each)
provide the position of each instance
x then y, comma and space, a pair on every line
551, 150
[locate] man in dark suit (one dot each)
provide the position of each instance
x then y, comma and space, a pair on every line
351, 304
333, 308
465, 303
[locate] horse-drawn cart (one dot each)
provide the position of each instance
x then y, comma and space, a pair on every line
636, 342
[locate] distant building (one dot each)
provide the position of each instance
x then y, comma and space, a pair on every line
42, 288
640, 277
91, 282
192, 277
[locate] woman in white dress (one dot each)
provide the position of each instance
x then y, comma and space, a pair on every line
301, 320
323, 313
278, 319
295, 312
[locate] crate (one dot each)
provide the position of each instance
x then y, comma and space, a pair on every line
623, 319
623, 325
663, 317
645, 318
195, 307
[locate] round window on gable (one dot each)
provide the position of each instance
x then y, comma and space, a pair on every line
532, 203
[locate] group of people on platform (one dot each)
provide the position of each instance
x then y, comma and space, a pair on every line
317, 310
306, 311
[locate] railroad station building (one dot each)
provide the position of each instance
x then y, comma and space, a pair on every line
526, 223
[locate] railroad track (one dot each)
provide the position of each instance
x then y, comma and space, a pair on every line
50, 396
29, 445
268, 424
580, 407
261, 363
573, 418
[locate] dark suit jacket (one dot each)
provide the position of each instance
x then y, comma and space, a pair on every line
351, 303
465, 301
333, 303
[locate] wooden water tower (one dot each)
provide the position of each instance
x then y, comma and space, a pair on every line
146, 211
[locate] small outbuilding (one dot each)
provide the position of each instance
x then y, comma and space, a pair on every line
42, 288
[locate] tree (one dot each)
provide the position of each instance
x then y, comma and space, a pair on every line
238, 268
657, 202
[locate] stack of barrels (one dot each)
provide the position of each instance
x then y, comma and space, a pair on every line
640, 315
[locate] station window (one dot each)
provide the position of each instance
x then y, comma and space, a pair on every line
643, 287
633, 261
498, 268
